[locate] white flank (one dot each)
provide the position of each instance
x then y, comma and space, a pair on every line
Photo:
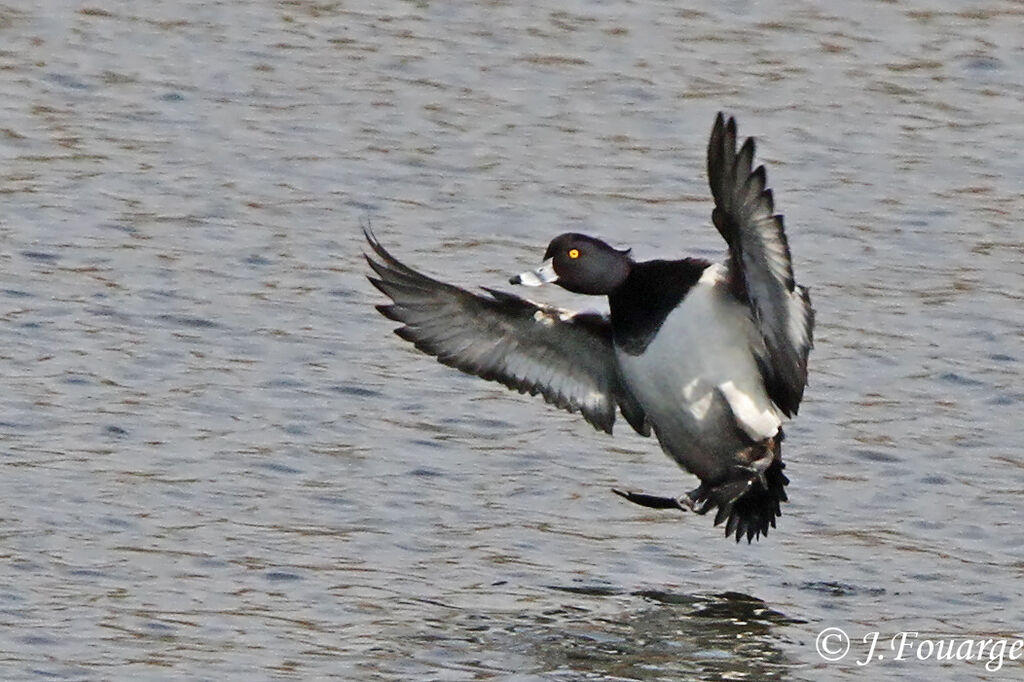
702, 354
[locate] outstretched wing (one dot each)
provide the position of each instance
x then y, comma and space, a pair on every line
567, 358
761, 270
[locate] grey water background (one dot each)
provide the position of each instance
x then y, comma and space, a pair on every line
216, 461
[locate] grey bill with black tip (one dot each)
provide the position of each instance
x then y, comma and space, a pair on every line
545, 274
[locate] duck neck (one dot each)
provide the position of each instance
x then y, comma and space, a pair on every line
645, 298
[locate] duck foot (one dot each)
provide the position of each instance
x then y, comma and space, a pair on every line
696, 500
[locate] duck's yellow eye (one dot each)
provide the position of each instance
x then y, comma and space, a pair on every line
574, 253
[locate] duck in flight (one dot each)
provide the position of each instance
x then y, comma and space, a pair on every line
710, 358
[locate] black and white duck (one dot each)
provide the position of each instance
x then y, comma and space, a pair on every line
710, 357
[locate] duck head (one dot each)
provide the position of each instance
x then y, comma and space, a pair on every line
580, 264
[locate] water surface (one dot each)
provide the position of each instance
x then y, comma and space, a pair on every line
217, 462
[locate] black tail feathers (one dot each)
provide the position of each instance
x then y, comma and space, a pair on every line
750, 502
749, 498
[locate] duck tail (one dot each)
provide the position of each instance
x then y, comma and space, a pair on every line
750, 502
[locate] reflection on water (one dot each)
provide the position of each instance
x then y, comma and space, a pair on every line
724, 636
217, 462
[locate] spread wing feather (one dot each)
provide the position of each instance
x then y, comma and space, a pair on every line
760, 264
565, 357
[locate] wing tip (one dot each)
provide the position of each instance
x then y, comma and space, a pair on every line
405, 287
724, 122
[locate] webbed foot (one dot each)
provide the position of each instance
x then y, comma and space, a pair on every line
696, 500
652, 501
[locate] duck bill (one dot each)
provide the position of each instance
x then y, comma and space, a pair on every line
545, 274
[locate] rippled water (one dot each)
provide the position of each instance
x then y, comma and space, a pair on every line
217, 462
